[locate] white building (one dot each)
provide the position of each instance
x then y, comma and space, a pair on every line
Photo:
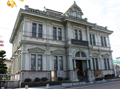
53, 44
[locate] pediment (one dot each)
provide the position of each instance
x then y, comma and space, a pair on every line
95, 55
58, 52
106, 56
36, 50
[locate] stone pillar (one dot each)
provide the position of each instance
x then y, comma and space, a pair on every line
23, 57
47, 58
74, 64
68, 33
87, 64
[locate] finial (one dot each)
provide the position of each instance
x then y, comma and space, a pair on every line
74, 2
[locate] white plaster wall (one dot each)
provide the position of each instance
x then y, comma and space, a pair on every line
27, 61
84, 35
44, 62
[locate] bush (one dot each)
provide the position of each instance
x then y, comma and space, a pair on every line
37, 80
28, 80
44, 79
66, 78
113, 75
106, 76
97, 79
60, 78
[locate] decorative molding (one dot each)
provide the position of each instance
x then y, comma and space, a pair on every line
95, 55
106, 56
36, 50
60, 52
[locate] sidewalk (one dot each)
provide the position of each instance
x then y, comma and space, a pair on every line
60, 86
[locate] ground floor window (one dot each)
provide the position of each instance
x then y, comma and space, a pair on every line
58, 63
95, 63
106, 63
36, 62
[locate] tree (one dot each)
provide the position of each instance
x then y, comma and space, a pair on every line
3, 68
12, 3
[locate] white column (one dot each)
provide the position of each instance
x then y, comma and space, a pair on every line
87, 64
58, 63
91, 63
74, 64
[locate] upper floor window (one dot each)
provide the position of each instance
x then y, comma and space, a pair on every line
78, 34
40, 31
36, 30
57, 33
103, 41
92, 39
54, 33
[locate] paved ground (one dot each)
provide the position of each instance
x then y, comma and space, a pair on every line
104, 85
107, 85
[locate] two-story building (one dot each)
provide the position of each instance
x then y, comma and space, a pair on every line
53, 44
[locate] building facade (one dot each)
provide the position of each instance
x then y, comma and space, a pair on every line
53, 44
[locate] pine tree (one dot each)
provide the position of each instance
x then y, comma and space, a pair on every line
3, 68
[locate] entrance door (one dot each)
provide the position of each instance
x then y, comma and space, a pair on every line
79, 67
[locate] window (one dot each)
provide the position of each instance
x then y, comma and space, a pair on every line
39, 62
80, 54
34, 27
54, 33
36, 30
105, 64
95, 63
33, 62
80, 35
59, 34
61, 62
58, 59
77, 54
76, 36
103, 41
40, 31
108, 64
92, 39
36, 60
55, 63
83, 55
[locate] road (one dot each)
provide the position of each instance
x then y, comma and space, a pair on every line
107, 85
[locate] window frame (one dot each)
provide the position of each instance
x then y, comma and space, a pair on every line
37, 28
36, 64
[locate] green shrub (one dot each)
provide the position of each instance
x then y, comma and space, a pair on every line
113, 75
109, 75
60, 78
37, 80
66, 78
97, 79
28, 80
106, 76
44, 79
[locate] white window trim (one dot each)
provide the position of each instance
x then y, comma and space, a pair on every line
36, 61
57, 26
37, 23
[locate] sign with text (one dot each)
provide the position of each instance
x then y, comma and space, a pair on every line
79, 42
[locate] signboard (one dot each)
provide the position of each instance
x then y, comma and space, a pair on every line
79, 42
60, 73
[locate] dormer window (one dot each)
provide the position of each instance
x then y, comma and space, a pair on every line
74, 14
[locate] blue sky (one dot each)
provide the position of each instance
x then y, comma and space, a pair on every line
102, 12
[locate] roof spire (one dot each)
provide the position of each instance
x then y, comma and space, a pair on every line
74, 2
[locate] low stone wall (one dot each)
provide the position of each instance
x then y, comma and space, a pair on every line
10, 84
73, 84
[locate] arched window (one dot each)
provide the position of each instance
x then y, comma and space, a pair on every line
77, 54
83, 55
80, 54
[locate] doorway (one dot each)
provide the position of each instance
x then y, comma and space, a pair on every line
79, 67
